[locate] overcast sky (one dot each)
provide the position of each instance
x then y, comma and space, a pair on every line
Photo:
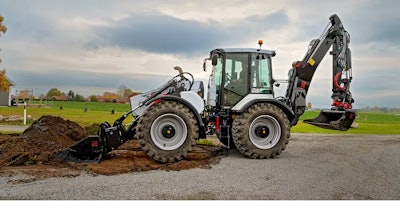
98, 45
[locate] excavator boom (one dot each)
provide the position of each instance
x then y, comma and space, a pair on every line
341, 115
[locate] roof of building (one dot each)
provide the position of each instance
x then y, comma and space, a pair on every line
60, 98
12, 83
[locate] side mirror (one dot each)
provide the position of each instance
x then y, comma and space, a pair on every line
205, 65
214, 59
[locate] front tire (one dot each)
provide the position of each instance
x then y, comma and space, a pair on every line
167, 131
261, 132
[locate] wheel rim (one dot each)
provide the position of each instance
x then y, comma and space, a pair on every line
168, 132
265, 132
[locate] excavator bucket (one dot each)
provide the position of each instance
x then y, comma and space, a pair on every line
88, 148
333, 119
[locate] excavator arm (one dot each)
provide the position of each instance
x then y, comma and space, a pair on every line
341, 115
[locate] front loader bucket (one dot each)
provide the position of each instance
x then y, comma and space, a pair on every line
333, 119
87, 149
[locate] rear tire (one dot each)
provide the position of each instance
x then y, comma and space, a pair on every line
167, 131
261, 132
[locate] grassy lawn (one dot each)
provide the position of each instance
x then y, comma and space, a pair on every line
369, 123
96, 112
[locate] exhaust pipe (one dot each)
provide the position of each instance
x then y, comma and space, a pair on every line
333, 119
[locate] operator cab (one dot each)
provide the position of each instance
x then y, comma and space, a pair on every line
238, 72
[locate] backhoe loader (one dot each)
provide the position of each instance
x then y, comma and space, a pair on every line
240, 106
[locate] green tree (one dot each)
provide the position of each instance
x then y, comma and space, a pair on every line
79, 98
93, 98
71, 95
53, 92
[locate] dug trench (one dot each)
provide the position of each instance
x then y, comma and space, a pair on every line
39, 153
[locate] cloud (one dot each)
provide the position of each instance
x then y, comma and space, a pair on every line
161, 33
84, 82
166, 34
375, 21
384, 31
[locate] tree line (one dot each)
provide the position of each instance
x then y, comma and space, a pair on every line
122, 93
381, 109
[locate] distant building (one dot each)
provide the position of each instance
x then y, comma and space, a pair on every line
309, 106
5, 96
122, 100
96, 98
112, 99
59, 98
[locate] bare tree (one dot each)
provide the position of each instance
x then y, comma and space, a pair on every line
4, 83
3, 28
124, 92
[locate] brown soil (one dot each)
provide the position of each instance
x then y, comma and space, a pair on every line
36, 154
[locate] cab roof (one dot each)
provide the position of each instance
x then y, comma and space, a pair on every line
246, 50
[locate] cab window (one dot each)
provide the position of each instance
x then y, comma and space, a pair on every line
261, 74
236, 78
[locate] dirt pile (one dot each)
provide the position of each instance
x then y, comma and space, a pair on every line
37, 153
40, 142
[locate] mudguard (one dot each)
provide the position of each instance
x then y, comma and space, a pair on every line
202, 129
252, 99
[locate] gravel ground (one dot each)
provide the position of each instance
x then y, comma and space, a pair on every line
313, 167
13, 128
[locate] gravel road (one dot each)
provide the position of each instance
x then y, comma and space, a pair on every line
13, 128
313, 167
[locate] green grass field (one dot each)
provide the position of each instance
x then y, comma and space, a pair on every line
369, 123
96, 112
